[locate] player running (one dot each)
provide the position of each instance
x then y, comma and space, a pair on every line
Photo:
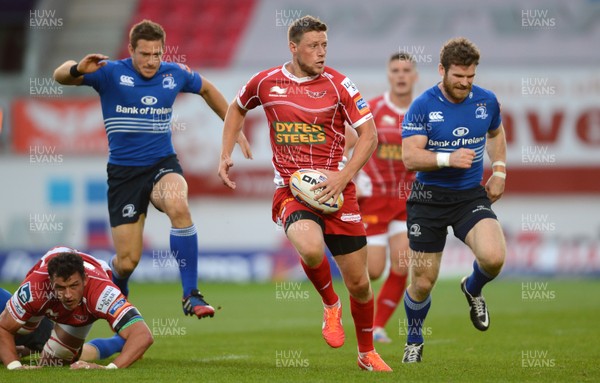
306, 104
383, 185
137, 96
445, 134
74, 290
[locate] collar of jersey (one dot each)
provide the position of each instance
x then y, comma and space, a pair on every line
391, 105
289, 75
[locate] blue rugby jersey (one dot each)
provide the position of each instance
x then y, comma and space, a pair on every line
137, 111
450, 126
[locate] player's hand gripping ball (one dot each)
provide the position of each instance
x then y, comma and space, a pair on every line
301, 182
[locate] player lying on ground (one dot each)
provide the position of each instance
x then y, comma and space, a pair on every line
74, 290
33, 342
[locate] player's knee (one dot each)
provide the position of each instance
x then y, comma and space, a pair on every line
126, 265
493, 262
311, 251
422, 285
177, 209
375, 273
358, 287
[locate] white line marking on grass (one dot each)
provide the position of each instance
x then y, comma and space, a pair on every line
223, 357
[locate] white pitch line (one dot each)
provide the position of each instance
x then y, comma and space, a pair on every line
224, 357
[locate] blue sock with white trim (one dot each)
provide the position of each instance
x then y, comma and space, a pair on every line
415, 316
122, 283
184, 248
477, 280
108, 346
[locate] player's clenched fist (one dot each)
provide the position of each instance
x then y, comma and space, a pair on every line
462, 158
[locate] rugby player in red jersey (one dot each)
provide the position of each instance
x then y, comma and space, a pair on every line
74, 290
307, 104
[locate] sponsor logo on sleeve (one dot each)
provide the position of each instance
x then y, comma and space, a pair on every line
116, 306
24, 293
107, 297
361, 104
350, 87
19, 310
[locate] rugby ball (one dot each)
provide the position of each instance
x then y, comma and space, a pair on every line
301, 182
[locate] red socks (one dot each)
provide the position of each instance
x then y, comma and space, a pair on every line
362, 313
389, 297
320, 277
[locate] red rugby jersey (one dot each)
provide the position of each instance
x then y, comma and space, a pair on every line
306, 117
101, 298
385, 174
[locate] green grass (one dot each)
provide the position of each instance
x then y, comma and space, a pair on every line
559, 337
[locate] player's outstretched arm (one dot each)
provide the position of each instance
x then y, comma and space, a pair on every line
214, 98
65, 75
417, 158
138, 339
231, 131
8, 350
216, 101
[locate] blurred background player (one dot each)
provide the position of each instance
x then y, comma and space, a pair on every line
306, 104
383, 185
445, 134
137, 96
73, 290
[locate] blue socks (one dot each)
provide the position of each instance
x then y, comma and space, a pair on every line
122, 283
477, 280
108, 346
184, 248
415, 316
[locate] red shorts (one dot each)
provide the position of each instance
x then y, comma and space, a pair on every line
378, 212
346, 221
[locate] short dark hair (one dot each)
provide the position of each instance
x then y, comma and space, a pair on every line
402, 56
459, 51
64, 265
305, 24
146, 30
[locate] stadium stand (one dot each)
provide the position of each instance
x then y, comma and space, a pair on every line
208, 38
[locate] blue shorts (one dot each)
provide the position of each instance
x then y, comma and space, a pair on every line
431, 209
130, 187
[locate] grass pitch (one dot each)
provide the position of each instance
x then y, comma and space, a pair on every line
541, 330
